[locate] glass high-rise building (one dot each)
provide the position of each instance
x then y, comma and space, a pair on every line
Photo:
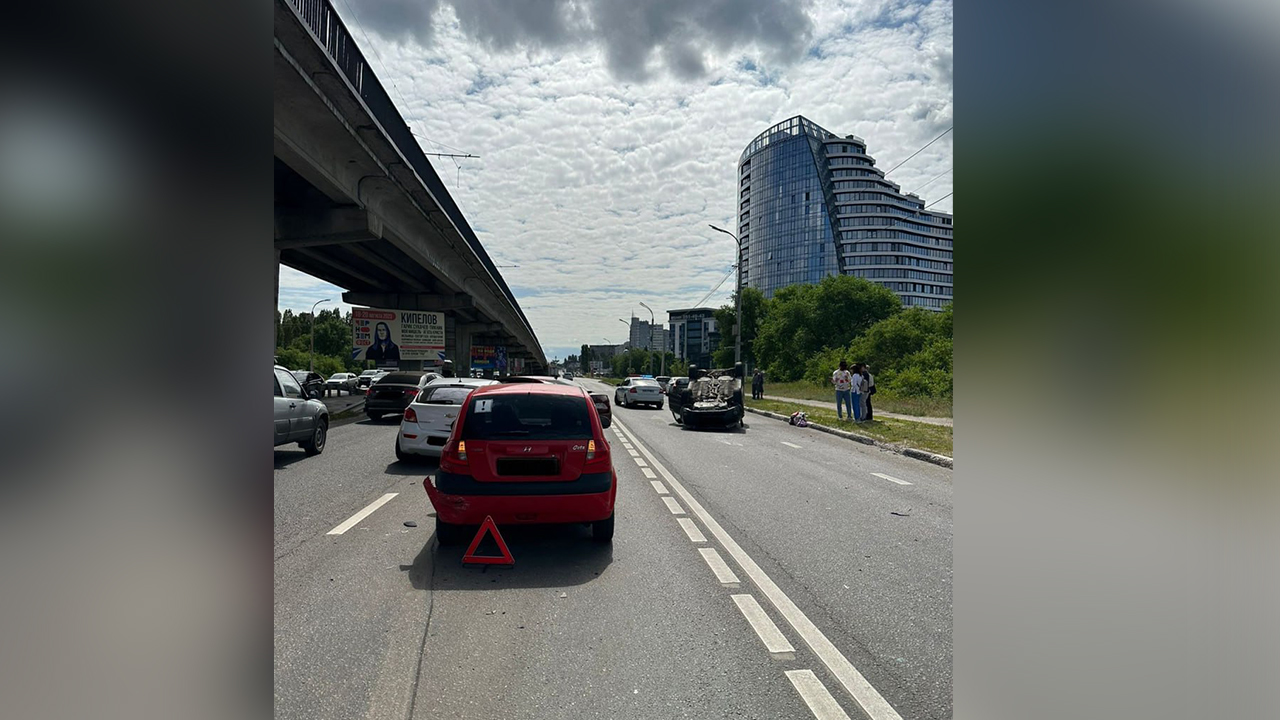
812, 203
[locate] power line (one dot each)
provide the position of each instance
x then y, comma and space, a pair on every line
935, 177
717, 287
944, 132
935, 202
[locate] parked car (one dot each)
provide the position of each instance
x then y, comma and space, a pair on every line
713, 398
341, 381
663, 380
392, 393
674, 390
524, 453
429, 418
638, 391
299, 418
312, 383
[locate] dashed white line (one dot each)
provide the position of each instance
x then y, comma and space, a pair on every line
695, 535
719, 566
672, 505
815, 695
648, 472
769, 633
633, 452
640, 462
868, 698
784, 442
366, 512
891, 479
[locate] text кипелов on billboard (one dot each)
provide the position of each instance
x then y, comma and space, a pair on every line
388, 336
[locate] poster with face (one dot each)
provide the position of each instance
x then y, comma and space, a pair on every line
389, 336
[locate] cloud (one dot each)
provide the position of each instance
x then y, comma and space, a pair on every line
601, 191
635, 38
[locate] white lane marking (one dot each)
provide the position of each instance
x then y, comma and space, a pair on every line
891, 479
366, 512
815, 695
867, 697
695, 535
769, 633
640, 461
648, 473
784, 442
672, 505
718, 566
633, 452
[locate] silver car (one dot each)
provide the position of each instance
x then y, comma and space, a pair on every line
299, 419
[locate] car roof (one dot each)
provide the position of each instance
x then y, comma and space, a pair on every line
527, 388
467, 381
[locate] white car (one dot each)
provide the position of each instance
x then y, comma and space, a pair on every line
638, 391
341, 381
428, 420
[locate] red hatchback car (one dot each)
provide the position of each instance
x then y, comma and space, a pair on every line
523, 454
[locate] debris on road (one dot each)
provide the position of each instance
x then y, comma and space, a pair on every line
564, 595
410, 523
891, 512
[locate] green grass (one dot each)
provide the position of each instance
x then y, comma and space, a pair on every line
609, 381
905, 433
884, 400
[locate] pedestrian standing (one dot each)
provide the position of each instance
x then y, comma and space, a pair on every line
757, 385
871, 390
858, 392
843, 380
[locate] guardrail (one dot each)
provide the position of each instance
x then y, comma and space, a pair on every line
331, 33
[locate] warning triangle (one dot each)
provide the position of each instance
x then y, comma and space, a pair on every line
488, 527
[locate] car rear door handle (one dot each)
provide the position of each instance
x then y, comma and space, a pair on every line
293, 405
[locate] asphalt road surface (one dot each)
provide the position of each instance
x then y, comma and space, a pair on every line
766, 572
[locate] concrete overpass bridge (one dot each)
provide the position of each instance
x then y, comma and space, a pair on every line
358, 205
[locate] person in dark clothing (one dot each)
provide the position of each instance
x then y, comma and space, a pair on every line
757, 385
383, 349
871, 383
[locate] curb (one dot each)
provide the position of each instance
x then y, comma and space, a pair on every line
910, 452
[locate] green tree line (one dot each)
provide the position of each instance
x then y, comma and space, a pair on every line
804, 332
333, 342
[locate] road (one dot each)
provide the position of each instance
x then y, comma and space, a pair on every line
767, 572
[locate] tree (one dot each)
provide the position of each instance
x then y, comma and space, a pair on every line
753, 304
802, 320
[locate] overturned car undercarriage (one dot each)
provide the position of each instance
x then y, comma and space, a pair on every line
712, 399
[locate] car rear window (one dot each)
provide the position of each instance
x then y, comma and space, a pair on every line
401, 379
645, 381
445, 395
534, 416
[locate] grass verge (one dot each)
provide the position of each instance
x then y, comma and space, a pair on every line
884, 400
904, 433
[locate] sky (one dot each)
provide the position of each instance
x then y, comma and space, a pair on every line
608, 131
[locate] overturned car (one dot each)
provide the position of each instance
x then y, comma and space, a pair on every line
713, 398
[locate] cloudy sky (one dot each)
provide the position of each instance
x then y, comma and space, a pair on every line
608, 131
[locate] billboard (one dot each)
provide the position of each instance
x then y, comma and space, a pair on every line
489, 357
389, 336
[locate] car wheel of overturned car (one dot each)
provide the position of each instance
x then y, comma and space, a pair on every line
450, 534
602, 530
315, 444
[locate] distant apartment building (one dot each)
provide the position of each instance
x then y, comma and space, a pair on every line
648, 337
694, 335
812, 204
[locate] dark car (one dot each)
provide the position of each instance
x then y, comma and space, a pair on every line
392, 393
713, 398
298, 418
312, 383
524, 453
674, 387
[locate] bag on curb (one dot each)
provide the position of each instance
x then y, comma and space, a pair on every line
799, 419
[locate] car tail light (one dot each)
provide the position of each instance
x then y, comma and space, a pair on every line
411, 392
453, 458
461, 451
369, 392
632, 390
410, 415
597, 457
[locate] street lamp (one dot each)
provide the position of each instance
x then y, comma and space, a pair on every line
737, 294
312, 367
653, 322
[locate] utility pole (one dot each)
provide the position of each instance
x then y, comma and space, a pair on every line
737, 294
312, 366
653, 322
